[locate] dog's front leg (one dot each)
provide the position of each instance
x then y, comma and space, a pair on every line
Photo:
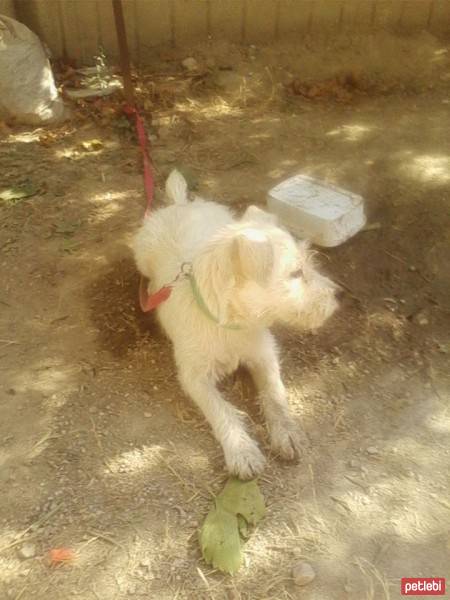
286, 436
242, 455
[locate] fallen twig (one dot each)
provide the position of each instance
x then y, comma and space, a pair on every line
358, 483
403, 261
341, 503
349, 290
106, 538
8, 342
35, 525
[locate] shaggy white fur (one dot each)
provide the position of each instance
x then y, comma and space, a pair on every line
248, 274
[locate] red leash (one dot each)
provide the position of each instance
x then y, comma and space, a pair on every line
131, 111
146, 302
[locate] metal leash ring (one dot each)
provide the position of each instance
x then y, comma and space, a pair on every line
185, 271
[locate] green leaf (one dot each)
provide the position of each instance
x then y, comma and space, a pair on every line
70, 246
243, 527
243, 498
239, 504
13, 195
123, 123
67, 229
220, 541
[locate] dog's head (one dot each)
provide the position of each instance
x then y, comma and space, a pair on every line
257, 273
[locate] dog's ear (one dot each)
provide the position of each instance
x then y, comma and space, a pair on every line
253, 213
252, 256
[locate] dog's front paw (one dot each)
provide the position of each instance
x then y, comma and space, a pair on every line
287, 439
245, 460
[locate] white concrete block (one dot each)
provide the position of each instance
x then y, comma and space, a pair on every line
313, 210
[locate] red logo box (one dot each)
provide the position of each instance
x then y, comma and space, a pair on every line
423, 586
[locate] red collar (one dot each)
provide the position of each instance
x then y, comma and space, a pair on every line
152, 301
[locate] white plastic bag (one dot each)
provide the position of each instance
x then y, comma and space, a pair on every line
27, 87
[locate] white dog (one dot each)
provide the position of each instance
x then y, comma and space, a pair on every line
239, 277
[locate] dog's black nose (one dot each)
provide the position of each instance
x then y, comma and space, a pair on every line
340, 293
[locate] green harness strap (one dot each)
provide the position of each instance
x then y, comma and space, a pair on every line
202, 305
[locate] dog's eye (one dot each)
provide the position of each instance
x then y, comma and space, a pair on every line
296, 274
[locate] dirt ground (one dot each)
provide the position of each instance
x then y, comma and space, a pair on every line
100, 451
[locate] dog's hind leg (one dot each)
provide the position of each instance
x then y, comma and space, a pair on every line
242, 455
286, 436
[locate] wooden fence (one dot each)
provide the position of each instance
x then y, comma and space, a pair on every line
78, 28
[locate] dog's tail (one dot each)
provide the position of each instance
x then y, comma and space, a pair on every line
177, 188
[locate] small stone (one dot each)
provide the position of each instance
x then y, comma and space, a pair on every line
354, 464
303, 573
372, 450
421, 318
190, 64
27, 551
145, 562
147, 415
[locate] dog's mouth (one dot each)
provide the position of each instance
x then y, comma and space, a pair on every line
317, 314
